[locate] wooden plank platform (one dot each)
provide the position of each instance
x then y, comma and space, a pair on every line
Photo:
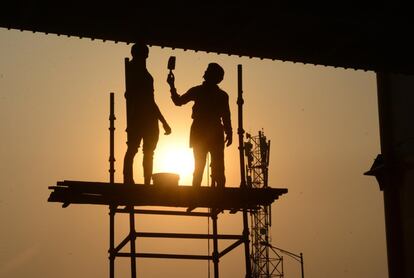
102, 193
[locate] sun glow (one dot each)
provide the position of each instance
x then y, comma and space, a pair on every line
176, 160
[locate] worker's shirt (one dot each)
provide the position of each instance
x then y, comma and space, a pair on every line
141, 108
211, 113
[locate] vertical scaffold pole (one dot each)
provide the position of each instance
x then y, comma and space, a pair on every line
301, 265
111, 181
112, 138
132, 241
132, 234
215, 243
240, 132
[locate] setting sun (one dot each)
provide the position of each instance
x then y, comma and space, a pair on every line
177, 160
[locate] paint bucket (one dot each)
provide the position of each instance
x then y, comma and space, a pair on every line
165, 179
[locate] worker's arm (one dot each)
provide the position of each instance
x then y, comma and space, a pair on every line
176, 98
165, 125
227, 123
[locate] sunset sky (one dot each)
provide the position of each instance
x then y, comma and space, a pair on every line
54, 108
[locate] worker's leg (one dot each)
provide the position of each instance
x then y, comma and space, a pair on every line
200, 155
217, 166
149, 145
133, 145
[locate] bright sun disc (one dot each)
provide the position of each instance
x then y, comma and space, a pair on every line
177, 160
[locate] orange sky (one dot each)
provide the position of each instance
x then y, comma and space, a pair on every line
322, 123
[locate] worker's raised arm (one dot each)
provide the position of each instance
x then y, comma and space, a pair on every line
176, 98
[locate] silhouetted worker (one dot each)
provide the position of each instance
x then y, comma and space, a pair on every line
142, 113
211, 119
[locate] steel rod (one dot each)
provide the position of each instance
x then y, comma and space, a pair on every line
111, 242
132, 241
112, 138
122, 244
164, 212
188, 236
215, 244
111, 181
301, 265
231, 247
164, 256
240, 132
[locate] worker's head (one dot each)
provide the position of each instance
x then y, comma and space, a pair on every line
139, 50
214, 73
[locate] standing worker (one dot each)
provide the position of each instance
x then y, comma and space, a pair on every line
211, 120
143, 114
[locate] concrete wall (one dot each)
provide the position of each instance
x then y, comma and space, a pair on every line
396, 115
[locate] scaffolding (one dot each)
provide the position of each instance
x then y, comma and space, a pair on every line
126, 198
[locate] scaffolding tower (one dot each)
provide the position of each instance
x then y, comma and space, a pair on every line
127, 198
124, 198
265, 262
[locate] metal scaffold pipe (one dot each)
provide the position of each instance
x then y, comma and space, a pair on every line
111, 138
240, 132
111, 181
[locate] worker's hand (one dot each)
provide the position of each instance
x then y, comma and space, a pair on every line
171, 79
167, 129
229, 139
